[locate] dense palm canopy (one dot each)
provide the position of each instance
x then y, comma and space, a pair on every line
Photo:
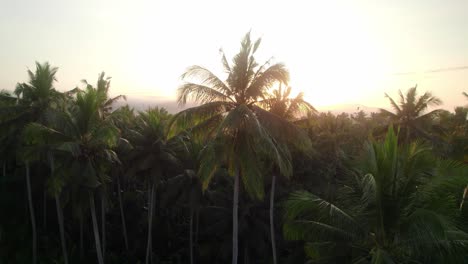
82, 182
389, 212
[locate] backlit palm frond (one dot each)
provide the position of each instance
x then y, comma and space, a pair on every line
207, 79
224, 61
206, 129
411, 97
275, 73
430, 115
298, 107
394, 105
282, 130
190, 117
199, 93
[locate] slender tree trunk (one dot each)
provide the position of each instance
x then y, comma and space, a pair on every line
407, 134
44, 213
246, 253
272, 225
103, 224
196, 227
191, 235
122, 215
235, 219
464, 197
150, 225
31, 213
61, 228
59, 217
81, 235
95, 228
4, 169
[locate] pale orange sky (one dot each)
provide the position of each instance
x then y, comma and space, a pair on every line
338, 52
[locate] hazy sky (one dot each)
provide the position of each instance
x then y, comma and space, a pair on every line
337, 51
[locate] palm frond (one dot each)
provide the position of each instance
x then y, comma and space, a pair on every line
190, 117
265, 79
199, 93
207, 79
394, 105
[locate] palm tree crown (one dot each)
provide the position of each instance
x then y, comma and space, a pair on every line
229, 113
409, 113
279, 103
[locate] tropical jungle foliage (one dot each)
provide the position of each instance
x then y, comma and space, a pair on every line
251, 174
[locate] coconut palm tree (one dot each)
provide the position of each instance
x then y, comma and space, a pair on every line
401, 206
410, 112
102, 88
279, 103
105, 103
240, 131
82, 142
34, 99
151, 156
185, 187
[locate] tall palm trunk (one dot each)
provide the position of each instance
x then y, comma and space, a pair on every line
44, 207
465, 197
235, 219
95, 228
272, 225
150, 225
81, 234
103, 223
61, 228
191, 235
122, 215
59, 217
31, 214
197, 216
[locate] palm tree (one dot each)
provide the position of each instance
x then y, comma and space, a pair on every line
279, 103
102, 88
104, 103
83, 143
186, 187
400, 207
409, 113
124, 119
241, 131
34, 99
151, 156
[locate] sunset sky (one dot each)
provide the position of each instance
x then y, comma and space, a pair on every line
338, 52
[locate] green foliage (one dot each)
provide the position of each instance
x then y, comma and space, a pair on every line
352, 198
393, 212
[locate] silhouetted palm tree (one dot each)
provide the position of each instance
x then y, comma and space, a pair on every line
151, 155
82, 141
279, 103
241, 131
34, 99
409, 113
